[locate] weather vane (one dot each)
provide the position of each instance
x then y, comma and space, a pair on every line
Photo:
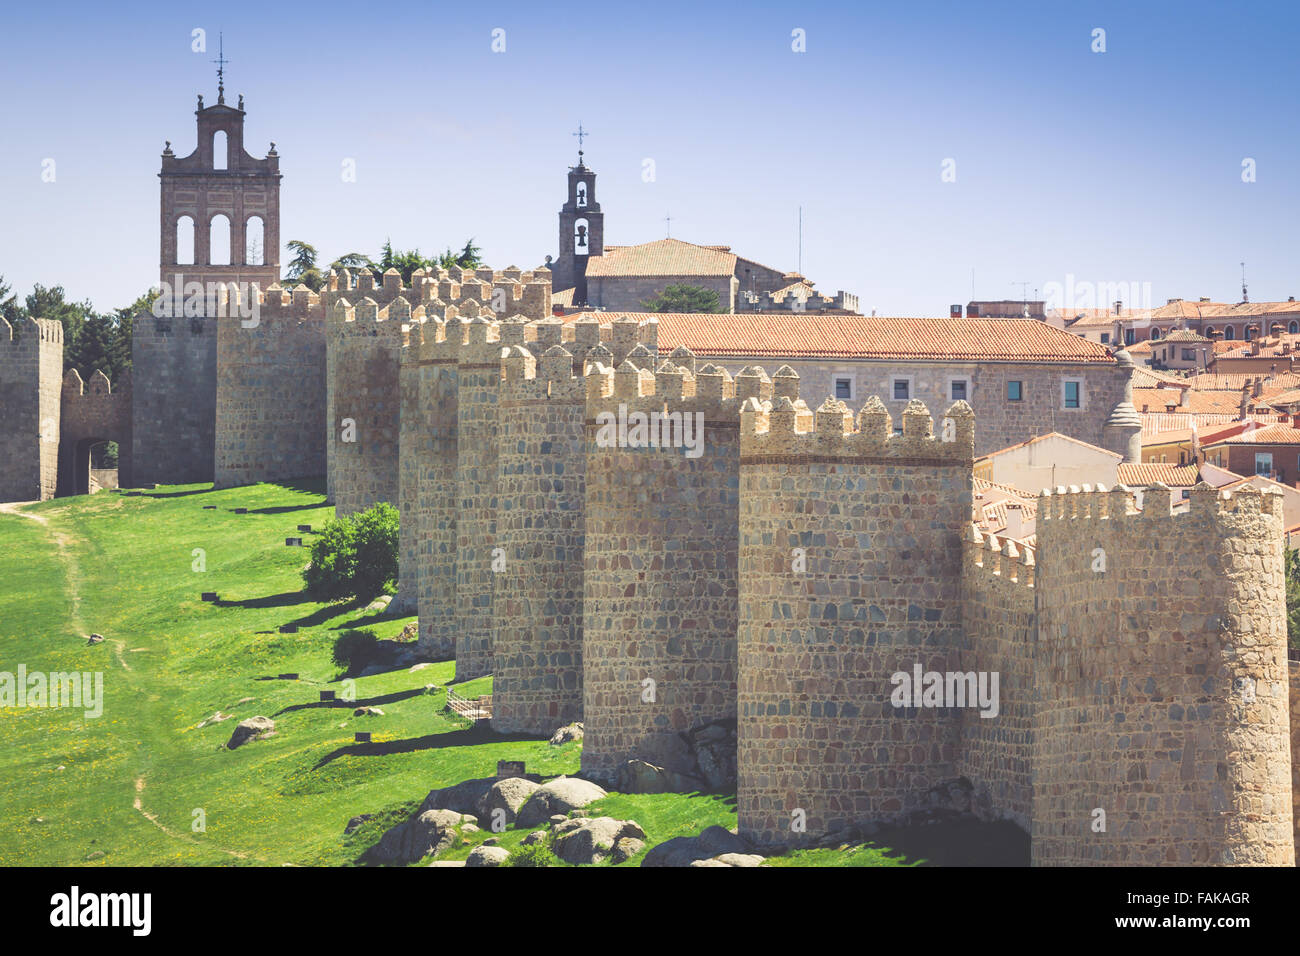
221, 62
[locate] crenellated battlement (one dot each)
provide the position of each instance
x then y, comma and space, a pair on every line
633, 388
1085, 502
28, 333
785, 427
1003, 558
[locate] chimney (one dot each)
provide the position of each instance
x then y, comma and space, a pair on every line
1244, 405
1015, 521
1119, 305
1254, 343
954, 311
1205, 298
1258, 388
1185, 399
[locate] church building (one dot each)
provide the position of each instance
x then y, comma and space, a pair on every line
588, 274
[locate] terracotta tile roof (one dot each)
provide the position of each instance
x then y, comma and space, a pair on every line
1148, 473
1144, 377
1205, 434
1184, 335
1283, 433
1103, 319
663, 257
805, 287
564, 297
1198, 402
1210, 380
990, 502
808, 335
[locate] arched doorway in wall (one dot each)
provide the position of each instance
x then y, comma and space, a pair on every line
185, 241
219, 240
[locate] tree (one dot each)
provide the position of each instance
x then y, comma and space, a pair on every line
353, 262
683, 298
302, 267
355, 557
467, 258
10, 308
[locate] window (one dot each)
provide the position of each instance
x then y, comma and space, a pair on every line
254, 233
902, 389
959, 390
1155, 334
219, 240
1105, 338
220, 150
1229, 333
1263, 462
1129, 336
1209, 331
844, 389
1189, 355
1249, 334
1014, 391
1071, 394
1294, 327
185, 241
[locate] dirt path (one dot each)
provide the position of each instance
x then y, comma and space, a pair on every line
138, 804
64, 543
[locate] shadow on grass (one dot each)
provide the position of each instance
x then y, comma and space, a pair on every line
450, 738
311, 484
176, 494
286, 509
359, 702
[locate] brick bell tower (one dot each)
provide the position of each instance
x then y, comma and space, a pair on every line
220, 190
582, 229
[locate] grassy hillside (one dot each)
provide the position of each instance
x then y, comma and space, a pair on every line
123, 788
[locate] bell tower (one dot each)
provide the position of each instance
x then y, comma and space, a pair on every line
220, 203
582, 230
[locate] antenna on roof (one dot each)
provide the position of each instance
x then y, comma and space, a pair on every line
1244, 296
1024, 299
668, 226
221, 62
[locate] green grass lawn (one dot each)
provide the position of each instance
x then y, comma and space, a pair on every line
127, 787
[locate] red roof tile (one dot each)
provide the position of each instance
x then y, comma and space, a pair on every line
663, 257
807, 335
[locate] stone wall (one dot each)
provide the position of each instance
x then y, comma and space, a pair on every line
850, 572
1293, 672
478, 385
999, 634
270, 418
31, 373
1162, 681
541, 489
629, 294
173, 399
660, 588
93, 412
364, 401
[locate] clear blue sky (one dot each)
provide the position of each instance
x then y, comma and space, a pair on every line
1123, 166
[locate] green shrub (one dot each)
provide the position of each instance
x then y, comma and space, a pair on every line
535, 854
355, 649
355, 557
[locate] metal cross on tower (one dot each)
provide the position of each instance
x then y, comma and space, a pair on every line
580, 134
221, 62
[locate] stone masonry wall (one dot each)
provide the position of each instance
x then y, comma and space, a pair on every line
660, 589
90, 412
479, 382
1162, 682
999, 631
1294, 675
173, 399
873, 589
365, 345
31, 376
541, 488
271, 385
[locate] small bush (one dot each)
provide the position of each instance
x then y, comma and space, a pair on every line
355, 649
355, 557
535, 854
